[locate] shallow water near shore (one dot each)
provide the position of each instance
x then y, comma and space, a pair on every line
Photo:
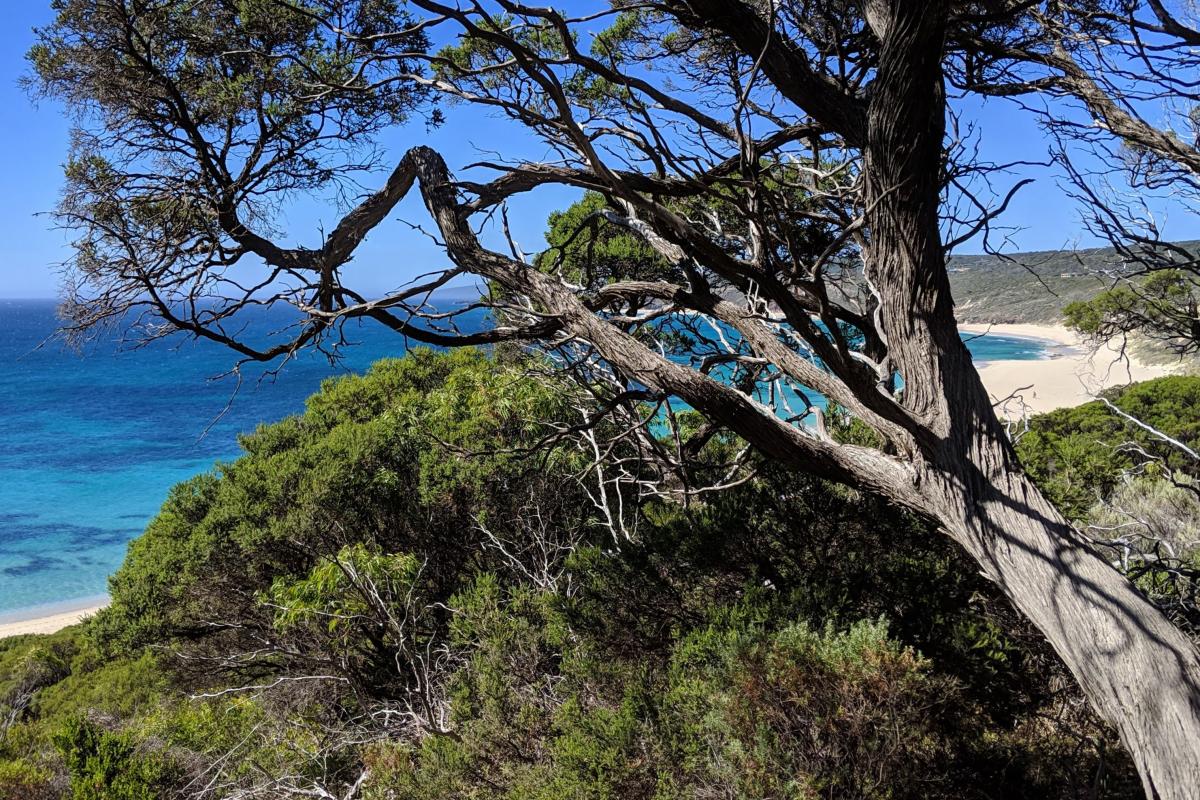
90, 444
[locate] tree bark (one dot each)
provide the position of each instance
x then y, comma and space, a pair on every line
1140, 673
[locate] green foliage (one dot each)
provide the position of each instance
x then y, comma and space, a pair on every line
31, 662
331, 594
48, 681
1162, 306
1078, 455
107, 766
783, 638
123, 687
26, 780
478, 63
1155, 526
798, 713
751, 704
197, 120
404, 459
609, 43
727, 651
1134, 491
68, 675
594, 252
1170, 512
363, 610
195, 68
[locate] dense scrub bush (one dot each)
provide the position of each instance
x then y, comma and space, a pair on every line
1150, 528
1079, 455
356, 604
750, 703
795, 712
1132, 491
739, 710
105, 765
1152, 507
22, 779
411, 457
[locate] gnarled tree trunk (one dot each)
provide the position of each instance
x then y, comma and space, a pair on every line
1139, 671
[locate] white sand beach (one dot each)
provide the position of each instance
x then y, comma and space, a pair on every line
48, 623
1070, 376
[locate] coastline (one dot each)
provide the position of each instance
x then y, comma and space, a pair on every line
50, 617
1070, 375
1058, 334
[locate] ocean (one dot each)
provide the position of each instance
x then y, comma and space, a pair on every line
91, 442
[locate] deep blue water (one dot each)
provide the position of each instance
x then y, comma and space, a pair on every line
90, 444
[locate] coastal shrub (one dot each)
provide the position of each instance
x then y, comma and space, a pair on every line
1166, 513
1133, 491
799, 713
106, 765
362, 614
23, 780
27, 666
122, 687
64, 673
412, 457
48, 681
751, 704
1079, 455
728, 653
1150, 528
1159, 307
786, 637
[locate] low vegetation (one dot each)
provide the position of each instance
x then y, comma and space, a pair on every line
406, 592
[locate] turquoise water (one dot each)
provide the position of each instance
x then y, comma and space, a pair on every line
90, 444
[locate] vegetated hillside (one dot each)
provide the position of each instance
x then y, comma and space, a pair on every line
405, 591
1029, 287
391, 594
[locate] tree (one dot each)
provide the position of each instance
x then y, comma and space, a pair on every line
769, 154
1158, 303
1125, 137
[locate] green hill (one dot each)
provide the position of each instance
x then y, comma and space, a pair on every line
1029, 287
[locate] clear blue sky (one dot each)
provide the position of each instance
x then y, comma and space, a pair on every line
33, 143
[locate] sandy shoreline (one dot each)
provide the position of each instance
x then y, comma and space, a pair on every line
62, 616
1069, 376
1059, 334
